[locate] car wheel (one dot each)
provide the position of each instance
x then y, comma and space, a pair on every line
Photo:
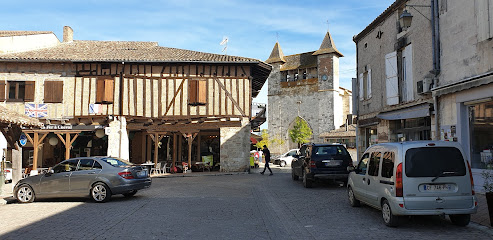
307, 183
130, 194
294, 176
25, 194
460, 219
352, 199
388, 218
282, 163
100, 192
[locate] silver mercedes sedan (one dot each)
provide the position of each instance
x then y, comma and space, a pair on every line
97, 177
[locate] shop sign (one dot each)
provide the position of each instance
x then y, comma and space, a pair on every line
71, 127
23, 139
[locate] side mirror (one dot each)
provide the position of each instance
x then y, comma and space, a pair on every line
351, 169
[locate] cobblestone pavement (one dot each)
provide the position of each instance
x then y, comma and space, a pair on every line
245, 206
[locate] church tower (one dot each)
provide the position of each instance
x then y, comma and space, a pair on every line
304, 85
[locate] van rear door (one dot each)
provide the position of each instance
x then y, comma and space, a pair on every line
436, 177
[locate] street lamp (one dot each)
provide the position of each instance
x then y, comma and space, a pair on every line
405, 19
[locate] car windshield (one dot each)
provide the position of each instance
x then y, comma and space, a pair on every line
330, 150
116, 162
434, 162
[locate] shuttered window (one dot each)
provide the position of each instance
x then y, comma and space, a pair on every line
17, 91
2, 90
104, 90
391, 86
197, 92
53, 91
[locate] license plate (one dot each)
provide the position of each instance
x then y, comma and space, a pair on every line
142, 173
437, 187
332, 163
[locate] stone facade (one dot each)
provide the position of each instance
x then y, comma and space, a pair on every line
235, 148
305, 85
464, 92
391, 61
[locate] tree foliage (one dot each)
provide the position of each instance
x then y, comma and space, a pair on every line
265, 139
301, 132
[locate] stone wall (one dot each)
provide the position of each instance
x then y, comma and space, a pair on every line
235, 147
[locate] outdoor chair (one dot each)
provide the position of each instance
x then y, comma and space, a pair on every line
157, 169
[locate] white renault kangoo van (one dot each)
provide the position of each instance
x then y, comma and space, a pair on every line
414, 178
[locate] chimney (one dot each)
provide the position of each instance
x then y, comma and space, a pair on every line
68, 34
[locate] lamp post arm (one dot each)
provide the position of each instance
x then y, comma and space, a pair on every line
414, 7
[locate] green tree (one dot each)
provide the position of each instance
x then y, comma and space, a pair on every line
301, 132
265, 139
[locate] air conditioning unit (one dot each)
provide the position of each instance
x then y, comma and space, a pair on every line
424, 86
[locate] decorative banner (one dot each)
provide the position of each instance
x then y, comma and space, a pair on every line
36, 110
95, 108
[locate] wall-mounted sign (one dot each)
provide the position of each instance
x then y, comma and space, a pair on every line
23, 139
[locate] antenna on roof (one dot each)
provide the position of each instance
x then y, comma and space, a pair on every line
277, 36
328, 25
224, 43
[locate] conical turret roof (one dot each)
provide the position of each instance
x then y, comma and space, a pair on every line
328, 46
276, 55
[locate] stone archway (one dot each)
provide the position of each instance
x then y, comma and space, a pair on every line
289, 143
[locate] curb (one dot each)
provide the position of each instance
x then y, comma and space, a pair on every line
177, 175
482, 228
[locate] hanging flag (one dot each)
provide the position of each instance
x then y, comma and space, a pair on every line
36, 110
95, 108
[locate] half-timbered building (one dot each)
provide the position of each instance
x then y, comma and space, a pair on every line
133, 100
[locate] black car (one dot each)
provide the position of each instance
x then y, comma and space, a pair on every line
329, 161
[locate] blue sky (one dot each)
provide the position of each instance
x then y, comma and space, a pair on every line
252, 26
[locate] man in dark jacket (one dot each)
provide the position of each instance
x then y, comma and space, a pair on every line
267, 160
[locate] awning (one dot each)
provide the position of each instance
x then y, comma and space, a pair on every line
406, 113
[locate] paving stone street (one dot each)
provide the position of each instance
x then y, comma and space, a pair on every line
236, 206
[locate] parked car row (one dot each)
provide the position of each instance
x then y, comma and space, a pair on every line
400, 179
95, 177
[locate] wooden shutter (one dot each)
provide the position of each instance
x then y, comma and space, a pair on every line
29, 92
361, 87
2, 90
197, 92
368, 85
53, 92
99, 90
108, 90
192, 98
391, 86
201, 92
407, 53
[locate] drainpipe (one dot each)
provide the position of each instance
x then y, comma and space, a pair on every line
435, 29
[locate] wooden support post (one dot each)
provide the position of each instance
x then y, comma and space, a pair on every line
174, 150
156, 147
148, 158
67, 142
143, 146
198, 149
179, 147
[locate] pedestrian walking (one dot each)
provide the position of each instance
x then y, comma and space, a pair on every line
267, 160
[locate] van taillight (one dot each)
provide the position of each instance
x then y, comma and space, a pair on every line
126, 175
398, 181
470, 176
313, 164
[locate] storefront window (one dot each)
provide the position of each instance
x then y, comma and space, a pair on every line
481, 130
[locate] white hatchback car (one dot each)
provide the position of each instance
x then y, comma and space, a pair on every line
414, 178
287, 158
